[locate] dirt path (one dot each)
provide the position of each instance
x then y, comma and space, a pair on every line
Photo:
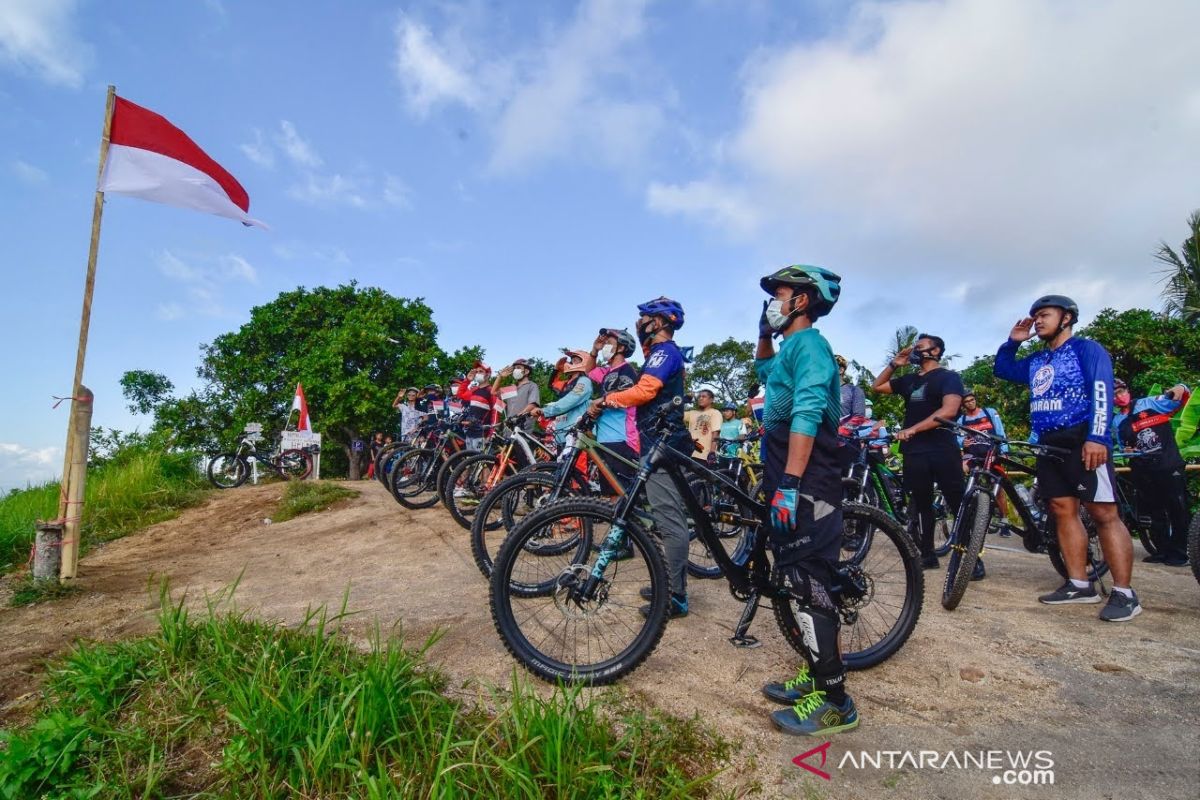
1117, 706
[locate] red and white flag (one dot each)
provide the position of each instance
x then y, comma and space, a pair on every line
301, 405
150, 158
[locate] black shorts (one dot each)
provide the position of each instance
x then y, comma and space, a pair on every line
818, 534
1066, 477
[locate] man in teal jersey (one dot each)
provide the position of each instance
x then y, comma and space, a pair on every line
802, 479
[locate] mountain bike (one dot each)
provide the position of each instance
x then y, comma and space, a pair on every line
576, 618
986, 479
230, 470
1137, 519
413, 476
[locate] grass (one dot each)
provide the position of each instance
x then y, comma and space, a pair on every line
27, 591
303, 497
140, 487
223, 706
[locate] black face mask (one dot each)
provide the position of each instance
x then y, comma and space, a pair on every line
647, 332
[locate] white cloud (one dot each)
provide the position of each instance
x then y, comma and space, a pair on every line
577, 94
987, 143
28, 173
329, 190
396, 192
21, 465
429, 74
566, 99
38, 36
299, 251
259, 151
201, 282
237, 267
295, 148
723, 206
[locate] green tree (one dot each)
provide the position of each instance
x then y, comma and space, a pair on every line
352, 348
145, 390
1148, 349
727, 368
1182, 274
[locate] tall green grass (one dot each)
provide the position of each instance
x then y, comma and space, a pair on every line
138, 487
224, 706
303, 497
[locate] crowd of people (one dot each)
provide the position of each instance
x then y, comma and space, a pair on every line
805, 399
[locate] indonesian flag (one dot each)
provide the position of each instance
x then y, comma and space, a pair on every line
150, 158
301, 405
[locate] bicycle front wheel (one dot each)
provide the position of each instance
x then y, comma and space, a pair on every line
228, 471
560, 622
1193, 546
412, 479
879, 591
975, 514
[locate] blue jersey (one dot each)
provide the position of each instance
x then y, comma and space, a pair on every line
1068, 387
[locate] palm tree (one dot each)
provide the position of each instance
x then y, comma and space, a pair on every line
902, 338
1181, 294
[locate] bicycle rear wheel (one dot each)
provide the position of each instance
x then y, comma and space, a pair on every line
975, 513
879, 591
228, 471
295, 465
470, 482
562, 633
1193, 546
442, 479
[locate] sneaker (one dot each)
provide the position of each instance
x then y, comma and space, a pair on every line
1175, 561
678, 607
1070, 593
788, 693
1157, 558
979, 573
813, 715
646, 593
929, 562
1120, 608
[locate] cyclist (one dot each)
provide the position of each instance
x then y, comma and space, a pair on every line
616, 428
704, 423
732, 430
987, 420
660, 382
802, 477
406, 402
1144, 425
1070, 405
854, 400
476, 398
930, 451
573, 401
521, 393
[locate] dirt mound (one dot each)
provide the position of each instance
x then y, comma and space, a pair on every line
1117, 707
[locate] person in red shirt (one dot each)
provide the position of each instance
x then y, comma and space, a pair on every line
476, 398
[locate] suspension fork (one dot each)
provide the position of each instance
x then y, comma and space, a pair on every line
616, 538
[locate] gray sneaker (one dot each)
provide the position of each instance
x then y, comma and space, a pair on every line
1070, 593
1120, 608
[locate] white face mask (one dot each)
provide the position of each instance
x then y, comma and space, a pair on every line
605, 355
775, 316
477, 381
518, 373
868, 412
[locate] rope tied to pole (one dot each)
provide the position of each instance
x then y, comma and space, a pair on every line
81, 399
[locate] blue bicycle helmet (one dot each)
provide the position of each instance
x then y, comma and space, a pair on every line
664, 307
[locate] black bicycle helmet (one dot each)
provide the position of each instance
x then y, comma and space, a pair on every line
1056, 301
828, 284
625, 340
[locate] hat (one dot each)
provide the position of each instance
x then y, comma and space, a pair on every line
729, 407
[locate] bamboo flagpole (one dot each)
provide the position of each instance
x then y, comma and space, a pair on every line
75, 459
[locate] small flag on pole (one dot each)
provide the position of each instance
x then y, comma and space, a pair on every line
150, 158
301, 405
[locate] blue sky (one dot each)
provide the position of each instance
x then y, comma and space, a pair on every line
534, 170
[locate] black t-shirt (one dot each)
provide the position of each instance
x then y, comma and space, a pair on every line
923, 397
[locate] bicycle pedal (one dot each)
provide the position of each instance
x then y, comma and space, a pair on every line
746, 641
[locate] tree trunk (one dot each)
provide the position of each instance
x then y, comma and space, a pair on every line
354, 460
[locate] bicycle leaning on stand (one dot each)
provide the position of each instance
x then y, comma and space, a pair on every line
230, 470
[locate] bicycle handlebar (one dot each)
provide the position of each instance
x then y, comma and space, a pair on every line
1033, 447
